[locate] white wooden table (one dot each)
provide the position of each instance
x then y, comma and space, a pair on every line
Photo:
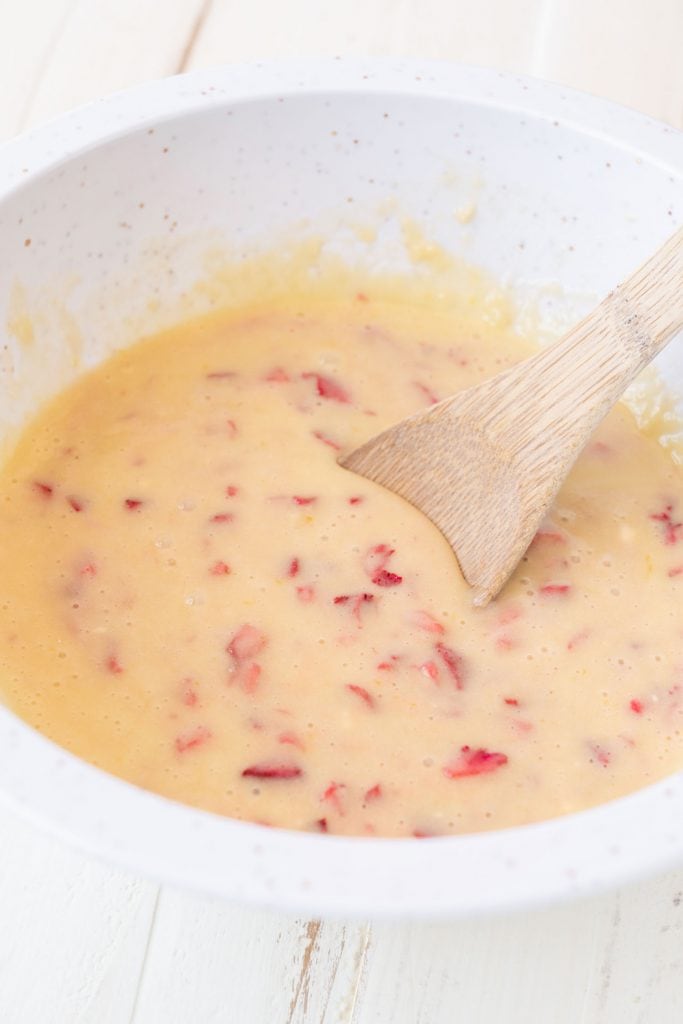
82, 943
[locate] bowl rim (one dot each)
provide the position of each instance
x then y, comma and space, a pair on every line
548, 862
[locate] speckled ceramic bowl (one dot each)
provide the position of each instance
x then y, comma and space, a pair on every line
105, 220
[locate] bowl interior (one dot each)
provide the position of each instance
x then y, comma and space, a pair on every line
108, 221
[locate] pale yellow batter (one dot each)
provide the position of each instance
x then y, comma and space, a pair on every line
198, 599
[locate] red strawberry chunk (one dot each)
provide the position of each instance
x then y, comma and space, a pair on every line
328, 388
114, 665
220, 568
298, 500
306, 594
133, 504
384, 578
670, 529
189, 695
429, 396
327, 440
192, 738
222, 517
474, 762
43, 489
89, 569
277, 376
423, 620
430, 669
637, 706
321, 824
375, 564
335, 794
549, 536
246, 643
231, 491
599, 754
453, 663
356, 603
555, 589
512, 701
247, 676
272, 770
361, 692
77, 504
291, 739
374, 793
293, 569
355, 500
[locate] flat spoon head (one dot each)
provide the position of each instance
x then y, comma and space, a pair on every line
486, 464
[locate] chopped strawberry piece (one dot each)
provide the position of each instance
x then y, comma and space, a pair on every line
509, 614
374, 793
220, 568
222, 517
355, 500
361, 692
427, 393
474, 762
294, 567
192, 738
189, 695
290, 739
334, 794
577, 639
384, 578
356, 602
272, 770
670, 529
326, 440
555, 589
232, 428
453, 663
375, 566
114, 665
676, 571
306, 594
246, 676
321, 824
505, 642
600, 754
512, 701
43, 489
75, 503
328, 388
133, 504
247, 642
277, 376
89, 569
430, 669
298, 500
637, 706
549, 536
427, 622
420, 833
231, 491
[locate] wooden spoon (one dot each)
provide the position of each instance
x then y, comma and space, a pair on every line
486, 464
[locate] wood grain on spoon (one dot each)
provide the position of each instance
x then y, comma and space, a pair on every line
486, 464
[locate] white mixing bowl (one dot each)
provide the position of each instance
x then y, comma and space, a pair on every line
105, 219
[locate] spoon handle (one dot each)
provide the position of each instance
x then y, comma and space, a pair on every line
574, 382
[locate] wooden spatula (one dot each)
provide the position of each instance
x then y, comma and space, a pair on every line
486, 464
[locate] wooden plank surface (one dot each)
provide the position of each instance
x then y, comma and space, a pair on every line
83, 943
